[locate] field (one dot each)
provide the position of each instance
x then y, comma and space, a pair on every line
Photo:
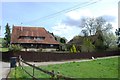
100, 68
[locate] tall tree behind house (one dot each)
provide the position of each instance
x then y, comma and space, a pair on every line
7, 37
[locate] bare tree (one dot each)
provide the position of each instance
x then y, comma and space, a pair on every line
94, 24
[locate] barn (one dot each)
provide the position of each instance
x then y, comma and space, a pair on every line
33, 38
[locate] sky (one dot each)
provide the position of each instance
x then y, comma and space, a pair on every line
59, 17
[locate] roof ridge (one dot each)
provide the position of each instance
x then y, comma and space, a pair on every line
29, 26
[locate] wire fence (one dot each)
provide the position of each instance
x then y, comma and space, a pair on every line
52, 73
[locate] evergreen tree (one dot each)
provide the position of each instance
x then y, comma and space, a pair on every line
63, 40
7, 35
99, 43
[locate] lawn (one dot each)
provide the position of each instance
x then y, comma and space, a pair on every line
3, 49
99, 68
1, 39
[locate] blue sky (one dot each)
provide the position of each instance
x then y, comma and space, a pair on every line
61, 24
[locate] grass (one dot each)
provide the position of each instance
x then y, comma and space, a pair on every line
3, 49
1, 39
100, 68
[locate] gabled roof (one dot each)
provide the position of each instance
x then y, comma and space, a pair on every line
79, 39
21, 31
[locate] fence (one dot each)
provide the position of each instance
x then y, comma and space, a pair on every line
52, 73
51, 56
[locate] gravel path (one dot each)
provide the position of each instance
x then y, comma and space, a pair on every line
61, 62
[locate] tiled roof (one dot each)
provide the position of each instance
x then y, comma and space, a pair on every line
79, 39
20, 31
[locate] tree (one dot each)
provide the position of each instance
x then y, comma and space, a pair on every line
85, 33
87, 46
118, 34
60, 39
110, 39
91, 25
7, 35
63, 40
96, 26
99, 42
102, 25
88, 25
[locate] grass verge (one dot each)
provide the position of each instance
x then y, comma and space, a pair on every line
3, 49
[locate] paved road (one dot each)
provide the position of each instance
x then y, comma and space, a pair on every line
5, 68
0, 70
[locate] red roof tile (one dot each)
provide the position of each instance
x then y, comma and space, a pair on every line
19, 31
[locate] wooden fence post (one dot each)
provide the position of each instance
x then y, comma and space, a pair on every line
53, 75
19, 60
58, 75
33, 71
15, 72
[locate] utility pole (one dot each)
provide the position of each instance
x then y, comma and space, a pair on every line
118, 31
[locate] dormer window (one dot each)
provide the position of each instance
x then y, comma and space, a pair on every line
31, 37
39, 38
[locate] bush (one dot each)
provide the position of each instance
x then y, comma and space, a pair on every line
73, 49
15, 48
40, 50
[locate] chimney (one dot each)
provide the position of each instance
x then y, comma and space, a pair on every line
21, 28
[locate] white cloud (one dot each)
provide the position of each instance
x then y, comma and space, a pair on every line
76, 15
65, 31
68, 27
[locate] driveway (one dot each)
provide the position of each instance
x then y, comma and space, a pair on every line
4, 69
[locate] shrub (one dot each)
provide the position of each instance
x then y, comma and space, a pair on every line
40, 50
73, 49
15, 48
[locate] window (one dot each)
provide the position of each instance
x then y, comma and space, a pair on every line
26, 37
31, 37
39, 38
31, 44
51, 45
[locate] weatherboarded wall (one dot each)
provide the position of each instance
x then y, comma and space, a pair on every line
49, 56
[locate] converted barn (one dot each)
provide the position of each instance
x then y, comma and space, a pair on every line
33, 38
